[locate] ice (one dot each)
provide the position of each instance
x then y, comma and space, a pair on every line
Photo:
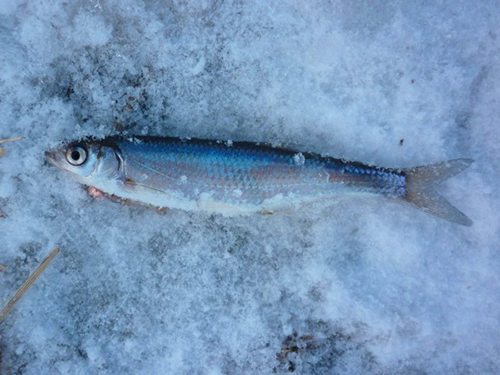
358, 286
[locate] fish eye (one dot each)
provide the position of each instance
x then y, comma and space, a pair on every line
76, 155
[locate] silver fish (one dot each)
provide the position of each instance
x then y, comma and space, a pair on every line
241, 177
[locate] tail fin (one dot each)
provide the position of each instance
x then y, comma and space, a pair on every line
421, 193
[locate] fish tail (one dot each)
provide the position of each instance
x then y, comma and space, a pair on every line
421, 193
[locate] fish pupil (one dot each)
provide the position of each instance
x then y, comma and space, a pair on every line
75, 155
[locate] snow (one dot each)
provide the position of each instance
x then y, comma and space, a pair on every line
359, 286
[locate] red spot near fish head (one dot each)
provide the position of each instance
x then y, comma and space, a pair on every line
95, 193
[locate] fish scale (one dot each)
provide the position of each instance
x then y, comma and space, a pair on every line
260, 172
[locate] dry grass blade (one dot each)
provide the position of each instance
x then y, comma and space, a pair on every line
20, 292
10, 139
2, 151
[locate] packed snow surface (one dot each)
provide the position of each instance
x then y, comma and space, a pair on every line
356, 286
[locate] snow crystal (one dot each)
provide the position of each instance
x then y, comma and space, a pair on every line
299, 158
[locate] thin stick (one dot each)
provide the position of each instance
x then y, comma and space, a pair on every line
28, 283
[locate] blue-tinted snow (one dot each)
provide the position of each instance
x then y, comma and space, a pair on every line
366, 286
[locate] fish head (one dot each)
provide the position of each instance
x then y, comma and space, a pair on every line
87, 161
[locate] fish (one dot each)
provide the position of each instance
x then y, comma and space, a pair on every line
236, 178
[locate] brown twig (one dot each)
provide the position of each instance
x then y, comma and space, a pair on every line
20, 292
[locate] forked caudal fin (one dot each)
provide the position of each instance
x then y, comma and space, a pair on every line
421, 193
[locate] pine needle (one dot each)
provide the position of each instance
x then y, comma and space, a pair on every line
20, 292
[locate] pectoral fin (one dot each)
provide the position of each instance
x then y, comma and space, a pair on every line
96, 193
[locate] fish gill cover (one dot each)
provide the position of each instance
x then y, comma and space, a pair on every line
358, 286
